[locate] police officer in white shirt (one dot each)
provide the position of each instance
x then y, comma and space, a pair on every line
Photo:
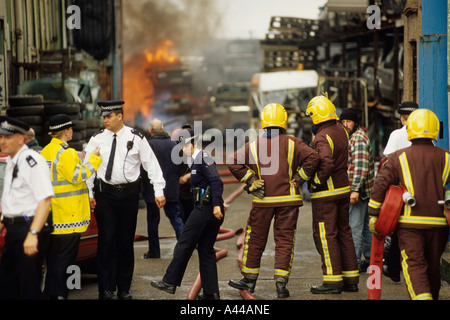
26, 199
398, 139
114, 195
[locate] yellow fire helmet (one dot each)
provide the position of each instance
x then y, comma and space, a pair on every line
422, 123
321, 109
274, 115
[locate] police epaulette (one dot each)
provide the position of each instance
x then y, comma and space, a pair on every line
138, 133
98, 132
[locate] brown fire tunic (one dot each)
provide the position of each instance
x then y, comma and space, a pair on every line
423, 169
331, 180
275, 161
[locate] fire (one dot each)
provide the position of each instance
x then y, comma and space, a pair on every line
138, 87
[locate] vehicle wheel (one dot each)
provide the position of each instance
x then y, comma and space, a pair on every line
57, 108
25, 100
25, 110
31, 120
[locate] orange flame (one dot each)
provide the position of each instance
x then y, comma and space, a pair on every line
138, 87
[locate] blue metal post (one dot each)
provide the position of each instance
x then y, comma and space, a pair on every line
432, 64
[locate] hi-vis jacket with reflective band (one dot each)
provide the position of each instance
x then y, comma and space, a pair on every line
275, 160
331, 179
423, 169
70, 206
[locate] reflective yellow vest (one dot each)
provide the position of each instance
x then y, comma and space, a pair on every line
70, 206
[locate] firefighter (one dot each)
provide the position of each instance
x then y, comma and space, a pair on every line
273, 166
423, 169
330, 194
70, 206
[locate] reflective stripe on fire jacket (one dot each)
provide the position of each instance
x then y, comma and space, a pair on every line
70, 206
293, 196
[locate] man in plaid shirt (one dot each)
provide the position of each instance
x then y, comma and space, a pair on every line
361, 177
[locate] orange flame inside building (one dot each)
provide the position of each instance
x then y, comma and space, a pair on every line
138, 86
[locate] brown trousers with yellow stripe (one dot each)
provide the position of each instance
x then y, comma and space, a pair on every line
421, 251
257, 231
334, 242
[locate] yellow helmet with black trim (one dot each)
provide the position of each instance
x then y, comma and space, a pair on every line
274, 115
321, 109
422, 123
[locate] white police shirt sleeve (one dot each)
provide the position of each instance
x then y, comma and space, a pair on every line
151, 165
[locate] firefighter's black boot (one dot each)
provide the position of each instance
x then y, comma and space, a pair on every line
281, 288
243, 284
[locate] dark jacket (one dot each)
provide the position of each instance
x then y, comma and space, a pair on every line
162, 146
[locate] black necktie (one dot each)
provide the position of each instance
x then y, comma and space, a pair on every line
111, 160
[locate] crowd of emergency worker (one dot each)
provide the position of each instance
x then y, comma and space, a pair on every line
49, 196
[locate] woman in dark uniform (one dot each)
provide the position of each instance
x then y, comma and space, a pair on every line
203, 224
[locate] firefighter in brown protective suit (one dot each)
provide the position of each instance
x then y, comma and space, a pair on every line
423, 169
330, 192
273, 166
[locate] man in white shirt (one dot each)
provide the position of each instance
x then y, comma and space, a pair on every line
114, 195
397, 140
26, 199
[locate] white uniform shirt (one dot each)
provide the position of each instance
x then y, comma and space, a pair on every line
397, 140
32, 184
127, 163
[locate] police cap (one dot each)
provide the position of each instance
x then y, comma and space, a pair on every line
109, 106
9, 126
59, 122
407, 107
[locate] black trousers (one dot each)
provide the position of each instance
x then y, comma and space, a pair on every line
200, 231
62, 252
20, 275
116, 214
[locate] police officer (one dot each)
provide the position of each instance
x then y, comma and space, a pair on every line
202, 226
70, 207
273, 167
26, 198
422, 230
162, 146
330, 198
115, 197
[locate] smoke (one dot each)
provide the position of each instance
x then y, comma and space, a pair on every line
190, 24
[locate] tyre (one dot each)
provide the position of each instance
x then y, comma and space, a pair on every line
31, 120
58, 108
25, 100
25, 110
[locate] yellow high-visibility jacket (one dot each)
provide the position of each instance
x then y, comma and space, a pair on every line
70, 206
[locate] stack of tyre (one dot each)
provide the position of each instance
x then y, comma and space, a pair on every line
33, 110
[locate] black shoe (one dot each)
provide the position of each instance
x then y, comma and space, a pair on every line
208, 296
124, 295
364, 265
151, 255
243, 284
281, 289
107, 295
326, 289
350, 287
161, 285
395, 278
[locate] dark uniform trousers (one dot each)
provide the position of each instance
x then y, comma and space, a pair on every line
333, 239
257, 231
421, 250
116, 214
200, 230
20, 275
62, 252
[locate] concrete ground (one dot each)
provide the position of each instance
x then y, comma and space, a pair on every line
306, 269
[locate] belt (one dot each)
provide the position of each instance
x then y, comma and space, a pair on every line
16, 220
103, 186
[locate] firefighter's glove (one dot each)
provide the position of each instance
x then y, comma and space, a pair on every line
297, 180
372, 222
256, 187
